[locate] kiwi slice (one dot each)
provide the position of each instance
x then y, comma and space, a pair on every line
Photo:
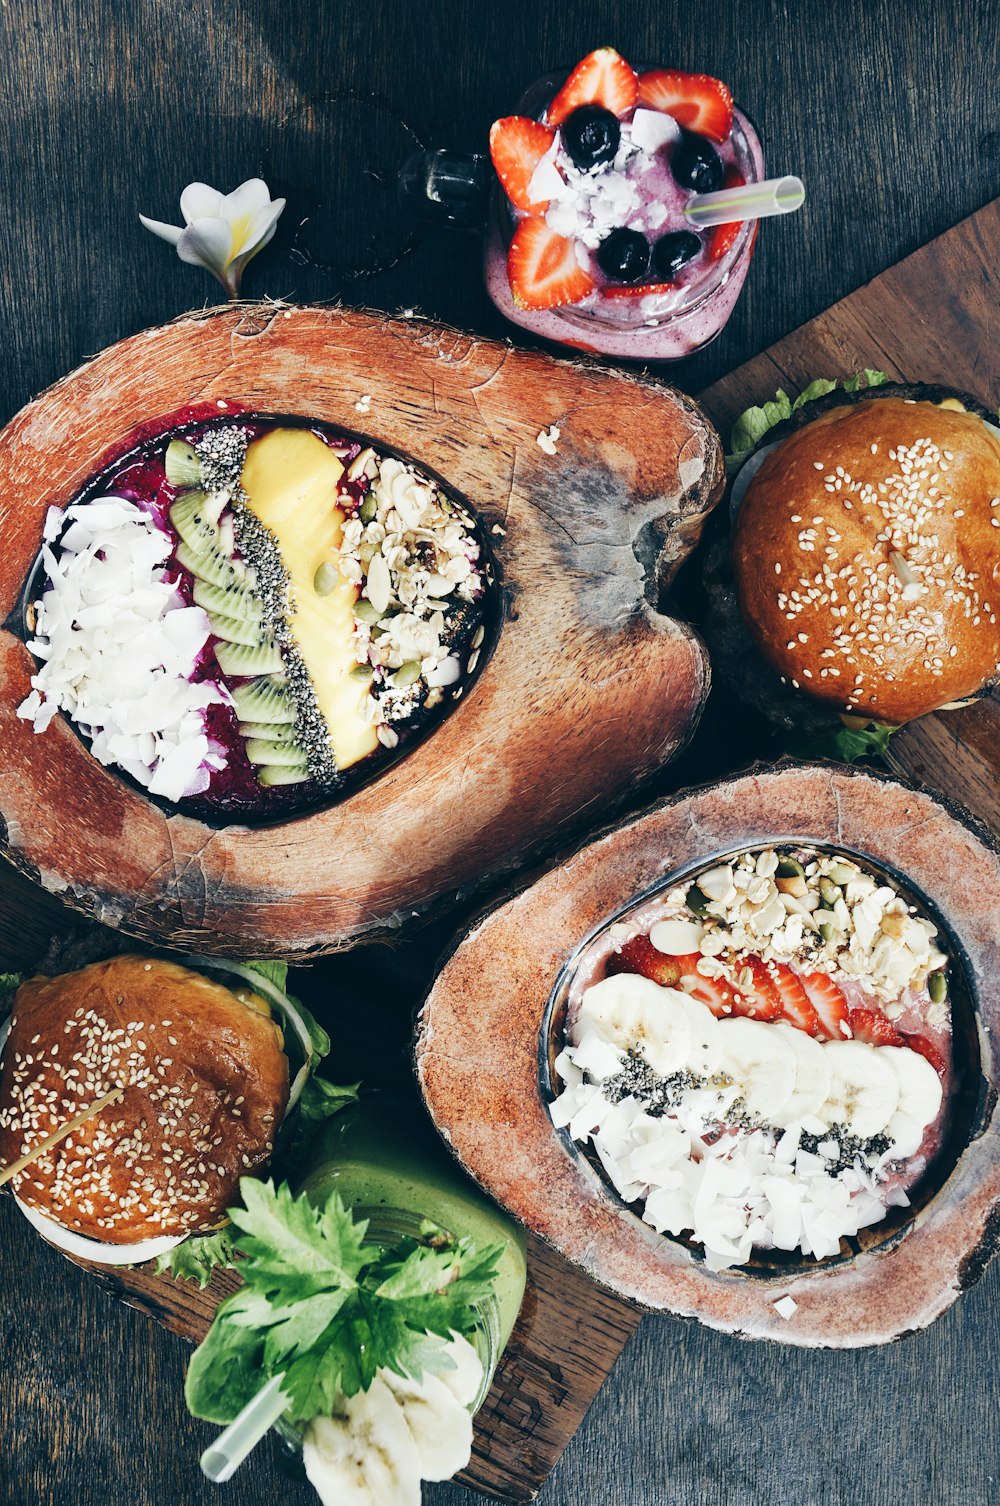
181, 464
249, 659
271, 732
263, 701
228, 601
210, 565
188, 517
275, 755
282, 774
230, 630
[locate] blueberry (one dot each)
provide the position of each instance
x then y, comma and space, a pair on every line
674, 251
696, 164
591, 135
624, 256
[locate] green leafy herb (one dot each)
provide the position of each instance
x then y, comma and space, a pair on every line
320, 1100
274, 972
327, 1307
850, 744
751, 426
196, 1257
10, 981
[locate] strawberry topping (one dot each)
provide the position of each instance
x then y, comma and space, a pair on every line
644, 290
543, 270
830, 1006
926, 1048
697, 101
640, 956
758, 1000
723, 237
796, 1006
871, 1025
517, 145
603, 78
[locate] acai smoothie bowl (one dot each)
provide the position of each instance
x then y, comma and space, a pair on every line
249, 614
733, 1056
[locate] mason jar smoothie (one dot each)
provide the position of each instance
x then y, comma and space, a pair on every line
588, 243
386, 1162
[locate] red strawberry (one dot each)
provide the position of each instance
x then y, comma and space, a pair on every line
926, 1048
643, 290
640, 956
717, 993
795, 1003
723, 237
603, 78
830, 1005
543, 270
696, 101
760, 999
871, 1025
517, 145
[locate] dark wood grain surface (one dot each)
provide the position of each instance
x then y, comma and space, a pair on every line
889, 113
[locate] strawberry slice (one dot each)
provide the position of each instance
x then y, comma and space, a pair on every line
830, 1005
643, 290
871, 1026
517, 145
696, 100
543, 270
723, 237
795, 1003
603, 78
926, 1048
639, 955
760, 999
717, 993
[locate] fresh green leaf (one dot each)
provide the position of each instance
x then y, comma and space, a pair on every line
849, 745
327, 1308
318, 1038
10, 981
320, 1100
196, 1257
226, 1370
751, 426
274, 972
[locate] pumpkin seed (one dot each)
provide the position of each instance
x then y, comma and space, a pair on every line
790, 868
326, 579
365, 611
937, 987
363, 672
407, 674
696, 900
842, 873
369, 508
828, 931
829, 891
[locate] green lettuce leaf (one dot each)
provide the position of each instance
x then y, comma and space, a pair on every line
196, 1257
751, 426
850, 744
274, 972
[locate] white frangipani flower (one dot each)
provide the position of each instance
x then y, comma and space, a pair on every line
221, 232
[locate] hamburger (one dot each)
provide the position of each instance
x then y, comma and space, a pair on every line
205, 1070
865, 554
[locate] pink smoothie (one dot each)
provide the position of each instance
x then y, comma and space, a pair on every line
665, 325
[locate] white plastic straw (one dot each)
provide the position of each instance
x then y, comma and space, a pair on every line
222, 1459
752, 201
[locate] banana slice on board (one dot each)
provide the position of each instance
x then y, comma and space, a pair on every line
760, 1061
864, 1088
636, 1014
466, 1375
365, 1455
441, 1426
812, 1075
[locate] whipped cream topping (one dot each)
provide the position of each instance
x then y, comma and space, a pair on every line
119, 647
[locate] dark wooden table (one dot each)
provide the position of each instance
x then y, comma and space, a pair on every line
888, 111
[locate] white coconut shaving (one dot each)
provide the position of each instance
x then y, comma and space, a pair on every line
118, 647
733, 1192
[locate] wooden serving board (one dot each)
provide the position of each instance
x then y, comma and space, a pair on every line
930, 318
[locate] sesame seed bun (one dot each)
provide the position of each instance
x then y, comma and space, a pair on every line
206, 1085
866, 556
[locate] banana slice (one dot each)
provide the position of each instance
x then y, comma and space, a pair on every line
761, 1063
365, 1454
920, 1095
812, 1076
704, 1056
636, 1014
441, 1426
864, 1088
466, 1377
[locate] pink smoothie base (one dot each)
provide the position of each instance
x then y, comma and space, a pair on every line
637, 329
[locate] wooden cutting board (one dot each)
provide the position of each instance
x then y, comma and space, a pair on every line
930, 318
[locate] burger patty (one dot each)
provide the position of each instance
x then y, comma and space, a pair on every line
205, 1084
